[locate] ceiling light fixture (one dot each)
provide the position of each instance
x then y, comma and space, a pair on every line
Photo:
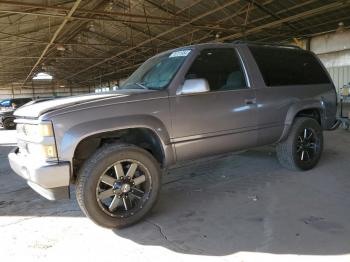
60, 47
109, 7
341, 27
42, 76
91, 27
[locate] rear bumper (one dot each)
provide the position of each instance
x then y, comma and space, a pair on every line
51, 180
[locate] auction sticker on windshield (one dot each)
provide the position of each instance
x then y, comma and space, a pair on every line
180, 53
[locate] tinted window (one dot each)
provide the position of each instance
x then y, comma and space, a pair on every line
23, 101
220, 67
288, 66
5, 103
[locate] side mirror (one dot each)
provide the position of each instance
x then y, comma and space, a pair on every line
194, 86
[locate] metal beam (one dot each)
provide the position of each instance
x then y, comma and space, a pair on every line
67, 44
59, 29
85, 11
257, 20
50, 57
100, 18
302, 15
157, 36
279, 12
160, 46
8, 15
192, 31
269, 12
109, 18
74, 30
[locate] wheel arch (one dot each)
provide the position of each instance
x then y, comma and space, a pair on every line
313, 110
147, 132
142, 137
8, 118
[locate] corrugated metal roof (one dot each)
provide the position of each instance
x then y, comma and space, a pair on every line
106, 40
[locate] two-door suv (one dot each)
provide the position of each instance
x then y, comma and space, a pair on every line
183, 104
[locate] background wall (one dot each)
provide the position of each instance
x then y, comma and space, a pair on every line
334, 51
44, 89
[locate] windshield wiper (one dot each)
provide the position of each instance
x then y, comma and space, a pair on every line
141, 85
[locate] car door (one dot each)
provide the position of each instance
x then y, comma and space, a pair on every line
218, 121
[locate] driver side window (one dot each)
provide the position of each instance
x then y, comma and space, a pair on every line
220, 67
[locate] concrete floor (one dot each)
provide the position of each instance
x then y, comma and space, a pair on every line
238, 207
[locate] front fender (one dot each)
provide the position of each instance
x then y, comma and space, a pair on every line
75, 134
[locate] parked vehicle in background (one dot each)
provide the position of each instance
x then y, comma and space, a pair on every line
13, 102
7, 116
180, 105
7, 107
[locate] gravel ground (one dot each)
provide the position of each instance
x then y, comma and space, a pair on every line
237, 207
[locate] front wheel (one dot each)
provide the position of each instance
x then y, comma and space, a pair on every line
118, 185
9, 124
303, 147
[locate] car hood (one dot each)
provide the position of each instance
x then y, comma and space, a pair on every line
36, 110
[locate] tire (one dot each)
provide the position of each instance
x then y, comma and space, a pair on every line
297, 152
101, 174
9, 124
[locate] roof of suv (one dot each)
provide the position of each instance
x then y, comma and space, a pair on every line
236, 43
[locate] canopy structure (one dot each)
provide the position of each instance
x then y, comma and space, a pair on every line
84, 42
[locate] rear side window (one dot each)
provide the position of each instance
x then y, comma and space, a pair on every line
288, 66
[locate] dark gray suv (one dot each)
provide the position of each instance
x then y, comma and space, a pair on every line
183, 104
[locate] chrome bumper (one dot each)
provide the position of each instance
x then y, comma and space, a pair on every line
51, 180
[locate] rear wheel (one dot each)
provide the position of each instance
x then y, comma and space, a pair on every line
118, 185
303, 147
9, 124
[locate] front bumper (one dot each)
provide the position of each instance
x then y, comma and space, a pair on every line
51, 180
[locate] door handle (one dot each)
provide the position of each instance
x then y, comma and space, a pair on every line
250, 101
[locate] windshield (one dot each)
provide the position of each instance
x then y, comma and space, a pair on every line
157, 72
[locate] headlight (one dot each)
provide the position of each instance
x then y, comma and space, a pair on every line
35, 132
37, 140
46, 152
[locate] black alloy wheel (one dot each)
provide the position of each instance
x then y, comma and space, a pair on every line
308, 145
118, 185
123, 188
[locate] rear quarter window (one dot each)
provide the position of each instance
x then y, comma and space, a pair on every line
281, 66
